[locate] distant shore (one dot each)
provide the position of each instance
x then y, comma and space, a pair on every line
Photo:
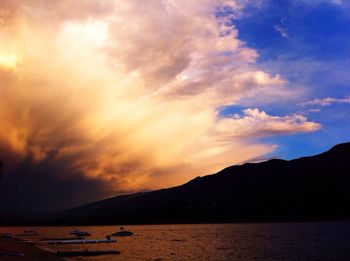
56, 223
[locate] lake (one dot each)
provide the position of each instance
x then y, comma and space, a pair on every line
247, 242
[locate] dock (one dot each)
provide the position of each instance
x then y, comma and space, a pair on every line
73, 241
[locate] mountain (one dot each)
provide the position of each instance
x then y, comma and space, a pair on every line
309, 188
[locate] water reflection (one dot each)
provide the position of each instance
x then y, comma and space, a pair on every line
293, 241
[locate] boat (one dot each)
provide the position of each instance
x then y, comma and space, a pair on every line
28, 233
87, 253
122, 233
79, 233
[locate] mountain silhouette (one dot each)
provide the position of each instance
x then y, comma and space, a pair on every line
308, 188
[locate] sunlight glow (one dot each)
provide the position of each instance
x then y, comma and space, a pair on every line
8, 61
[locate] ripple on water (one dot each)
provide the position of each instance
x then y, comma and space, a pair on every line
273, 242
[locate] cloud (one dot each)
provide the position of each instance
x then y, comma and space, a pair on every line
314, 110
314, 2
327, 101
28, 188
124, 96
256, 123
282, 31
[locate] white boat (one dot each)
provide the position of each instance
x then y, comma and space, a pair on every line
122, 233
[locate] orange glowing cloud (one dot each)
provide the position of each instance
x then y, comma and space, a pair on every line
128, 92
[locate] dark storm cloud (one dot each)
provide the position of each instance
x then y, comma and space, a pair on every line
45, 187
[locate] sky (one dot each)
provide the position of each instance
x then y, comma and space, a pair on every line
105, 97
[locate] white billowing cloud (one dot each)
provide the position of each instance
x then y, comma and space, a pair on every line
327, 101
128, 91
256, 123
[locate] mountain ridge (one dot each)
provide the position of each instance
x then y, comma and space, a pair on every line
307, 188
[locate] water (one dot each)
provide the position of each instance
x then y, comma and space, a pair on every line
246, 242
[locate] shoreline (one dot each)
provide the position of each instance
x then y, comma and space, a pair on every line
243, 221
32, 253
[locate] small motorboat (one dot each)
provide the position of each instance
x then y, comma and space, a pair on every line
122, 233
79, 233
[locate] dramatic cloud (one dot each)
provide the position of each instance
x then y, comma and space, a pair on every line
125, 95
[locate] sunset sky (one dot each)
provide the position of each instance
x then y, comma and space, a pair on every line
105, 97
